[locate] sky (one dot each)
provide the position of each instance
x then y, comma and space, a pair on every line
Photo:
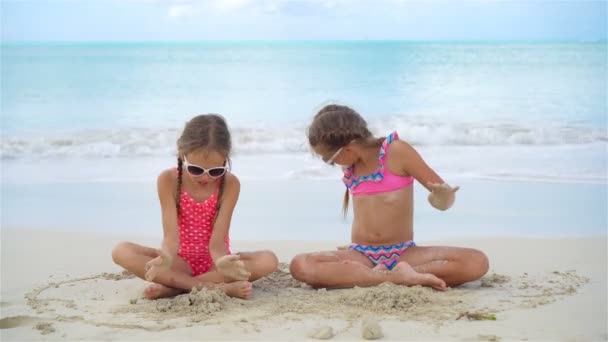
245, 20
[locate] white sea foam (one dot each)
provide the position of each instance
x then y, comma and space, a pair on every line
146, 142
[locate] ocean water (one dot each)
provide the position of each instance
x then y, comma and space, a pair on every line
74, 116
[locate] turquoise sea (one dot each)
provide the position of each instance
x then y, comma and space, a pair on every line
86, 127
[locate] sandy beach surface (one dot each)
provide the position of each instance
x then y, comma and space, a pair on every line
64, 286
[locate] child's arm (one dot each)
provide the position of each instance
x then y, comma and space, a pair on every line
166, 193
229, 265
410, 162
217, 245
166, 186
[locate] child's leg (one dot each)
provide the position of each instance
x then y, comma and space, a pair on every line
455, 265
175, 280
133, 258
179, 277
348, 268
259, 263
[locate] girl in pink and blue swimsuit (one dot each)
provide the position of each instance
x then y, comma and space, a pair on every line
379, 175
197, 200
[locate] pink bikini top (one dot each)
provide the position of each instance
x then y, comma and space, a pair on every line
381, 180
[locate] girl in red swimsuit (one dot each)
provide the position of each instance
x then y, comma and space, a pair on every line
197, 200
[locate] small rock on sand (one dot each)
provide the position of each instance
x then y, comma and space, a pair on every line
322, 333
371, 330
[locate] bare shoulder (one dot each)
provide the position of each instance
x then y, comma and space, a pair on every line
399, 155
232, 182
404, 160
400, 148
167, 179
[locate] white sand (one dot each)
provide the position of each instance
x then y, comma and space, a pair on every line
54, 288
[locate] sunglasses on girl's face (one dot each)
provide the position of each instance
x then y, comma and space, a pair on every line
197, 171
331, 159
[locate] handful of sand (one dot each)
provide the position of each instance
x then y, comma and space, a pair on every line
231, 266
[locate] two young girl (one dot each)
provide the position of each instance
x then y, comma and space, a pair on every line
199, 196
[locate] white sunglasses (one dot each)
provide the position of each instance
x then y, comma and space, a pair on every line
198, 171
330, 161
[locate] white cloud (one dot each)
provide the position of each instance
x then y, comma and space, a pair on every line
230, 5
328, 4
179, 11
271, 6
189, 8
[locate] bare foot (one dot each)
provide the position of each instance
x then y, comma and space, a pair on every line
408, 276
156, 291
239, 289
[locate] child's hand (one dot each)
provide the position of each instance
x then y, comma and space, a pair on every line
442, 188
158, 264
232, 267
442, 195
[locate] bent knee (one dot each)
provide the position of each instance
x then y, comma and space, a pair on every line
269, 261
479, 264
120, 251
300, 268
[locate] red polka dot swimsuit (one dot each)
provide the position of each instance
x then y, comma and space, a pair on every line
195, 228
